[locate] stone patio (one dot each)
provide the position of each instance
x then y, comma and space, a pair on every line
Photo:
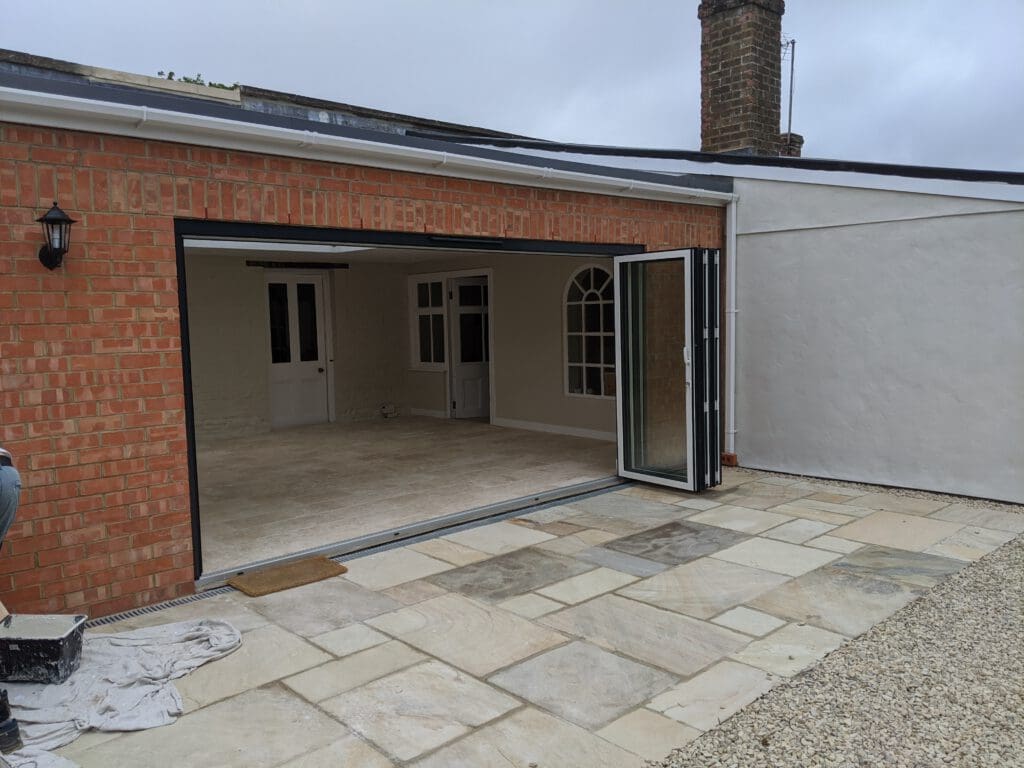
597, 633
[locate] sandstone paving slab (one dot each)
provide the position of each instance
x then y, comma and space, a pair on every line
342, 675
506, 576
474, 636
776, 556
970, 543
576, 589
739, 518
790, 649
714, 695
266, 654
530, 737
704, 587
583, 683
450, 552
583, 539
653, 493
392, 567
914, 569
419, 709
835, 544
530, 606
676, 543
349, 639
983, 517
648, 734
231, 608
620, 561
842, 507
812, 513
677, 643
348, 751
799, 531
621, 514
749, 621
836, 599
900, 531
697, 502
320, 607
498, 538
412, 592
256, 729
907, 505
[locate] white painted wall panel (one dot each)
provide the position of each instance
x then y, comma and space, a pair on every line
888, 352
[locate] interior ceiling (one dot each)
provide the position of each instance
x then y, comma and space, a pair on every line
359, 255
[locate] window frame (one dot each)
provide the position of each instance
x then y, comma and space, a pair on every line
564, 305
416, 311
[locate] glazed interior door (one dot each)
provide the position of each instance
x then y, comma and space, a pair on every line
298, 353
666, 336
471, 354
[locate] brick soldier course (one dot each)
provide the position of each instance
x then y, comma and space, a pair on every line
91, 382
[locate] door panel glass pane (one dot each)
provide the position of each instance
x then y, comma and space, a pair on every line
471, 337
471, 296
425, 356
422, 295
608, 349
593, 380
306, 301
574, 317
436, 294
575, 380
592, 317
487, 334
654, 396
608, 317
585, 279
592, 345
280, 340
575, 348
437, 336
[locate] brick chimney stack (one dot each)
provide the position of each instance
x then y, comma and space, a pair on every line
740, 76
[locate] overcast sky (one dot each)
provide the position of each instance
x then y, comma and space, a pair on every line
930, 82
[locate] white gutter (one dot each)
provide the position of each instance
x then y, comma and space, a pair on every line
59, 111
731, 266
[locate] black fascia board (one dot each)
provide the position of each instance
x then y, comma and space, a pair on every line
172, 102
801, 163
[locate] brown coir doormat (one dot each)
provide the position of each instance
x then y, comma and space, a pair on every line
286, 576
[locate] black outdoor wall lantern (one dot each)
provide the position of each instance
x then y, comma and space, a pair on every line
57, 233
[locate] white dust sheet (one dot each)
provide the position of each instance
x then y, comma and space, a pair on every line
123, 684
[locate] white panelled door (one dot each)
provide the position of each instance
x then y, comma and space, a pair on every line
470, 346
298, 351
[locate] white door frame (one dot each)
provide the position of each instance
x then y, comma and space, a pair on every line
326, 317
682, 255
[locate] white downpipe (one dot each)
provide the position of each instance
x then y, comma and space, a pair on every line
730, 325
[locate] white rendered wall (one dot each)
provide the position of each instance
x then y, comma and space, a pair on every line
880, 337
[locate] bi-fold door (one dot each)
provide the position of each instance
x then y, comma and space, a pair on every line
666, 337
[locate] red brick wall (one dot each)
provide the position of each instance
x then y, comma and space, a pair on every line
91, 390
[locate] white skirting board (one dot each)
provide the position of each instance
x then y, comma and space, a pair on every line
428, 412
557, 429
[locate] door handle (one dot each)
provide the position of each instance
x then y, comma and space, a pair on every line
319, 370
686, 360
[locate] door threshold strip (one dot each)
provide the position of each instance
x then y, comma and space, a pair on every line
407, 534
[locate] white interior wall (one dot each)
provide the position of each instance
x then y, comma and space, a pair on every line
879, 337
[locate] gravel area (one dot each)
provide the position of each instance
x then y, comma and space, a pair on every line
941, 683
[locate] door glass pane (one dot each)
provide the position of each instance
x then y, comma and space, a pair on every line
425, 356
422, 295
487, 334
593, 380
575, 380
436, 295
471, 296
471, 337
592, 317
574, 317
306, 300
575, 348
280, 342
592, 346
437, 336
654, 396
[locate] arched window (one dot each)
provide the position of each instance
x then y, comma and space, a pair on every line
590, 333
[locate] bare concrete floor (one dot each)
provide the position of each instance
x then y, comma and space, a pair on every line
290, 490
